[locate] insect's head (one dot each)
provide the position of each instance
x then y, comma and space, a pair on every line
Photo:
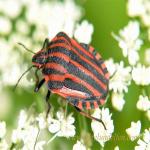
40, 58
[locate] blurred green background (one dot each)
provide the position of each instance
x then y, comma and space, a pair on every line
107, 16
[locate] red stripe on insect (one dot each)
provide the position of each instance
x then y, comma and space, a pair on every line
97, 56
90, 74
81, 48
102, 101
80, 105
78, 80
76, 44
107, 75
57, 91
88, 106
61, 38
56, 67
54, 40
95, 104
54, 77
81, 57
91, 49
61, 55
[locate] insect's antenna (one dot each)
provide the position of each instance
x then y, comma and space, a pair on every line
26, 48
22, 76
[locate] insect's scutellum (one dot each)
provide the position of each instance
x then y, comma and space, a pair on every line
74, 71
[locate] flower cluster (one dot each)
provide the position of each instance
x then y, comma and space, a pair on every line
100, 133
129, 41
140, 75
120, 79
27, 132
54, 16
30, 128
62, 126
79, 145
143, 104
145, 143
134, 131
141, 10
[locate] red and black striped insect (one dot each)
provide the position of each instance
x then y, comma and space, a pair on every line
74, 71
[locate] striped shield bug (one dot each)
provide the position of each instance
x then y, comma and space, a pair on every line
74, 71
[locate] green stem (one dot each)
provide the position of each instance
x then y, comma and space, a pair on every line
36, 138
102, 148
66, 108
53, 137
12, 146
145, 91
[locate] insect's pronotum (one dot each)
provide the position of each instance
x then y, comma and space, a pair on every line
74, 71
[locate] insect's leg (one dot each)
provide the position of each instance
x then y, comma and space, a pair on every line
37, 77
45, 44
38, 86
48, 104
88, 116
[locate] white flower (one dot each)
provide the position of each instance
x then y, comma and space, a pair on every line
116, 148
39, 145
83, 32
5, 25
63, 126
62, 17
145, 17
121, 79
26, 132
147, 56
141, 75
41, 120
118, 101
145, 143
140, 8
135, 8
129, 41
22, 119
134, 131
11, 8
22, 27
143, 103
11, 67
17, 135
3, 145
79, 146
29, 137
2, 129
111, 66
100, 133
54, 125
